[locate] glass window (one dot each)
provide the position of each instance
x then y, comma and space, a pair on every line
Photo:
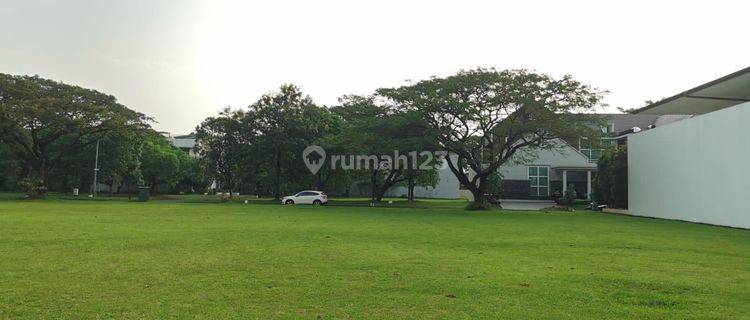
543, 171
539, 181
533, 171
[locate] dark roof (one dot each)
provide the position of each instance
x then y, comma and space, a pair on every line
185, 136
625, 121
721, 93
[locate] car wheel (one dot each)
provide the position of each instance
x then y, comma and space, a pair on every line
289, 202
317, 202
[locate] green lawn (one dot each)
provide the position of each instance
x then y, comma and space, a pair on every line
118, 259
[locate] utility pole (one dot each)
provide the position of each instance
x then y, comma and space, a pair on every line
96, 169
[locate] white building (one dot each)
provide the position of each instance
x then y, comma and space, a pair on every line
694, 170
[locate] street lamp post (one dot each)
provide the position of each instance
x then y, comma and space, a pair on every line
96, 169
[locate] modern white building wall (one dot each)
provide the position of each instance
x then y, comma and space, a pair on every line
693, 170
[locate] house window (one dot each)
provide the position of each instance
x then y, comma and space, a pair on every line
593, 148
592, 154
539, 178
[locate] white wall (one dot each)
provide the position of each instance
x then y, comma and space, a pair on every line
693, 170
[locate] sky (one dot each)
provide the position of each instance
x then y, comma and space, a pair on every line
182, 61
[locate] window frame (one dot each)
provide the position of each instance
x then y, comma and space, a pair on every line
538, 176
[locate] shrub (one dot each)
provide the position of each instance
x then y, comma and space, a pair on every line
33, 187
478, 205
569, 197
611, 183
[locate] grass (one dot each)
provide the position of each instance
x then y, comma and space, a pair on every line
168, 259
200, 198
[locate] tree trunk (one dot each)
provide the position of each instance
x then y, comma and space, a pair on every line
374, 187
277, 178
410, 192
230, 184
44, 173
380, 194
479, 192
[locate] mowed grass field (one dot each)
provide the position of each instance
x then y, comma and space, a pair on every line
67, 259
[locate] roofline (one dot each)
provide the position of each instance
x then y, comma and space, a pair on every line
696, 89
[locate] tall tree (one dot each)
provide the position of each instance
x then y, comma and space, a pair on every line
222, 141
384, 130
119, 159
42, 120
160, 162
485, 117
287, 122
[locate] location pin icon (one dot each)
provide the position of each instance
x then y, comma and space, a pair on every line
314, 157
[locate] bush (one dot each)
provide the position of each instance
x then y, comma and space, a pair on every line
611, 183
33, 187
569, 197
478, 205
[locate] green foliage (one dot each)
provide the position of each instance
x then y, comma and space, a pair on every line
485, 116
9, 169
223, 142
120, 154
259, 150
33, 187
193, 174
611, 182
375, 129
160, 162
569, 196
46, 123
286, 122
495, 185
483, 204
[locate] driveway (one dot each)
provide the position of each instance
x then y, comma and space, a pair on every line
527, 205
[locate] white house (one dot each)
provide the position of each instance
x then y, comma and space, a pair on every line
545, 173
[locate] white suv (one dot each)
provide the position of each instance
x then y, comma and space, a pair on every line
306, 197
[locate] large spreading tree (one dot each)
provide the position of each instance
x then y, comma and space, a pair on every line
42, 121
486, 117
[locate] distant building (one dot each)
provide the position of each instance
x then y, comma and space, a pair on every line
186, 143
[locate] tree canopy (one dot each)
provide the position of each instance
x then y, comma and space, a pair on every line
485, 116
482, 118
42, 121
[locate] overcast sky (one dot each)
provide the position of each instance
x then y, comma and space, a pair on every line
181, 61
